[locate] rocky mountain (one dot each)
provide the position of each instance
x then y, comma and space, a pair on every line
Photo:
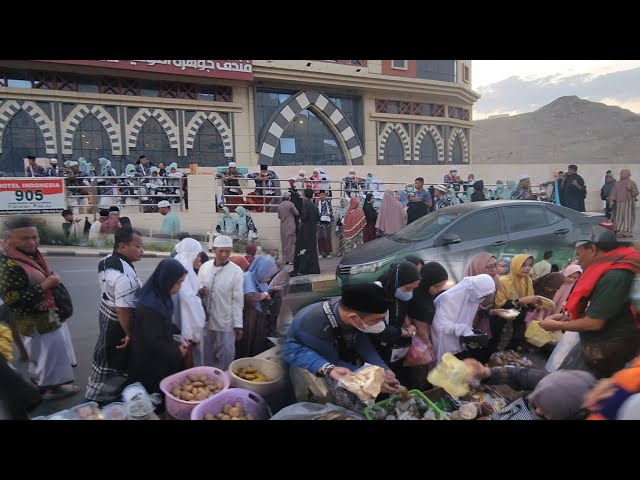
568, 130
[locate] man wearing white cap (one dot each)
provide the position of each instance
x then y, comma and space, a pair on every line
171, 222
53, 170
231, 186
223, 302
440, 197
523, 192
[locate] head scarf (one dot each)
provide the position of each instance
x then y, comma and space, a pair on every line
548, 285
84, 166
620, 192
452, 197
392, 216
565, 289
477, 266
130, 170
155, 293
432, 274
560, 394
243, 229
263, 266
240, 261
514, 285
354, 220
227, 223
189, 315
399, 275
414, 259
456, 309
104, 164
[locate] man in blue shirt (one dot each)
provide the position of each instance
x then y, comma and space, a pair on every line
329, 339
421, 193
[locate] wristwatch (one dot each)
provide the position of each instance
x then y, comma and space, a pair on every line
325, 369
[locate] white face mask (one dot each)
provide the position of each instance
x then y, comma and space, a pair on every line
352, 175
377, 328
402, 295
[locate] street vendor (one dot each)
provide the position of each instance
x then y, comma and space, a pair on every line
329, 339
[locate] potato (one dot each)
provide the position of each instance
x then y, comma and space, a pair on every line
193, 378
187, 396
202, 378
250, 417
226, 409
176, 392
185, 383
209, 416
197, 384
226, 417
235, 418
219, 415
234, 412
188, 388
212, 388
250, 370
238, 405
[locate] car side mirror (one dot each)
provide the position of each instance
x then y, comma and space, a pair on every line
450, 239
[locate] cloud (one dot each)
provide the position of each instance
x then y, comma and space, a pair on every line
520, 95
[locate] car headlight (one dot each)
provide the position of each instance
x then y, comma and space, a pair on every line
366, 268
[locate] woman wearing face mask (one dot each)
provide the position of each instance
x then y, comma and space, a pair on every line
392, 344
421, 312
514, 291
455, 310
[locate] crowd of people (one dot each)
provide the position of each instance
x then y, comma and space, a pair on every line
191, 311
375, 324
138, 189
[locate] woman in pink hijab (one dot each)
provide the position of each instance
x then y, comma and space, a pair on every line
392, 216
623, 204
486, 263
571, 275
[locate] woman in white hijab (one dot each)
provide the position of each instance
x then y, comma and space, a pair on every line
455, 310
188, 314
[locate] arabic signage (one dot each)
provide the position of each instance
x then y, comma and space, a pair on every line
231, 69
31, 195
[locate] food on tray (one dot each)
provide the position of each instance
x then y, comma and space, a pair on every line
509, 357
230, 412
253, 375
115, 411
468, 411
413, 408
511, 313
365, 382
88, 411
196, 388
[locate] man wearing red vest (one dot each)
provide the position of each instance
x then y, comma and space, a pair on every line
599, 307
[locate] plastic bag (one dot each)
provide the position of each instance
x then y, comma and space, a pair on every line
451, 374
419, 354
538, 336
568, 341
315, 411
365, 383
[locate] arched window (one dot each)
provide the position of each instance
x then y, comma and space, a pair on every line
208, 149
456, 156
91, 141
308, 141
154, 143
393, 152
428, 151
21, 137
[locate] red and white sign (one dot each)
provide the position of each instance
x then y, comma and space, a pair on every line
31, 195
231, 69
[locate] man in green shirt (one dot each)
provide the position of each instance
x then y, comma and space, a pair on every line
599, 307
171, 222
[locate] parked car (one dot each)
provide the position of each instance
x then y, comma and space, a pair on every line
453, 235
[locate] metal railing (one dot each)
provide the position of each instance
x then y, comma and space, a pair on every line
145, 192
262, 203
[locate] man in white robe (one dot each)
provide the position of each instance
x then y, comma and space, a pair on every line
224, 302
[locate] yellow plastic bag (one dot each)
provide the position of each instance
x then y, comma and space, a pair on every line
538, 336
451, 374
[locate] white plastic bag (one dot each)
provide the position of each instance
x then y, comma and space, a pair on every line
565, 345
315, 411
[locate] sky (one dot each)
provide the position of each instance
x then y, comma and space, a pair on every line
520, 86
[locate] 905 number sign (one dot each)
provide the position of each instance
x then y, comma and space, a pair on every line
29, 195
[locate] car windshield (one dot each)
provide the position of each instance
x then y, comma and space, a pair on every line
425, 227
